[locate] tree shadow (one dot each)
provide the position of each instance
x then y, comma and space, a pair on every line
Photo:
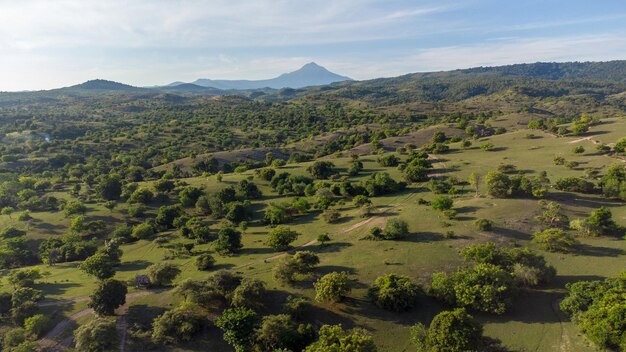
467, 209
264, 250
421, 237
597, 251
325, 269
54, 288
510, 233
134, 265
331, 247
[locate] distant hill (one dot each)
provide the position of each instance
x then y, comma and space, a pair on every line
101, 84
308, 75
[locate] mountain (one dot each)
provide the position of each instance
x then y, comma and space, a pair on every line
310, 74
101, 84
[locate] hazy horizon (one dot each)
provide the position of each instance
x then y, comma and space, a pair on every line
144, 43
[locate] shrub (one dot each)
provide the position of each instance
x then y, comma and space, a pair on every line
179, 324
162, 274
204, 261
280, 238
142, 231
483, 224
395, 229
449, 331
98, 335
442, 203
554, 240
332, 287
37, 324
394, 292
228, 241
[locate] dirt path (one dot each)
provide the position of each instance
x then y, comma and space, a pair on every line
584, 139
49, 341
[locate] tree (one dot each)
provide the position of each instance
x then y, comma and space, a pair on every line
361, 200
238, 325
250, 293
498, 184
7, 211
167, 214
228, 241
453, 331
279, 332
474, 180
483, 224
141, 196
248, 190
291, 267
442, 203
74, 207
162, 274
24, 277
395, 229
552, 217
323, 238
322, 169
37, 324
189, 196
334, 338
142, 231
280, 238
483, 287
204, 261
109, 187
332, 287
98, 265
98, 335
394, 292
108, 296
555, 240
599, 310
179, 324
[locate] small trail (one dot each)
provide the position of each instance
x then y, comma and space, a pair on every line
584, 139
49, 341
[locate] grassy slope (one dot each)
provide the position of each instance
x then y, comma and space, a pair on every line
533, 324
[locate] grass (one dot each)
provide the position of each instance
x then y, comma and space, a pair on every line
533, 324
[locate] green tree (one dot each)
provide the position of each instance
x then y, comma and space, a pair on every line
332, 287
98, 335
162, 274
442, 203
555, 240
228, 241
333, 338
394, 292
395, 229
37, 324
453, 331
142, 231
108, 296
279, 332
98, 265
250, 293
109, 187
180, 324
498, 184
281, 238
322, 169
204, 261
238, 325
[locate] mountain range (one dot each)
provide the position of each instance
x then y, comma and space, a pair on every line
308, 75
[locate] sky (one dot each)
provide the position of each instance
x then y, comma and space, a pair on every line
54, 43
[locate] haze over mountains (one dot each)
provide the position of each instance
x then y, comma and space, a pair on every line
310, 74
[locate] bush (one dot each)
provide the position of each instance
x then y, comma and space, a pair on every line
395, 229
280, 333
555, 240
334, 338
322, 169
98, 335
332, 287
179, 324
204, 261
250, 293
394, 292
483, 224
142, 231
442, 203
449, 331
483, 287
37, 324
162, 274
238, 325
574, 184
331, 215
228, 241
280, 238
108, 296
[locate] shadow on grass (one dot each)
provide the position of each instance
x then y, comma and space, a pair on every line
510, 233
134, 265
597, 251
52, 288
421, 237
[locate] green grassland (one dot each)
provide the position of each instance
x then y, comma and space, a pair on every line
534, 323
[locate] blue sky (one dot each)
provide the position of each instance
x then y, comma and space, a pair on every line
46, 44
